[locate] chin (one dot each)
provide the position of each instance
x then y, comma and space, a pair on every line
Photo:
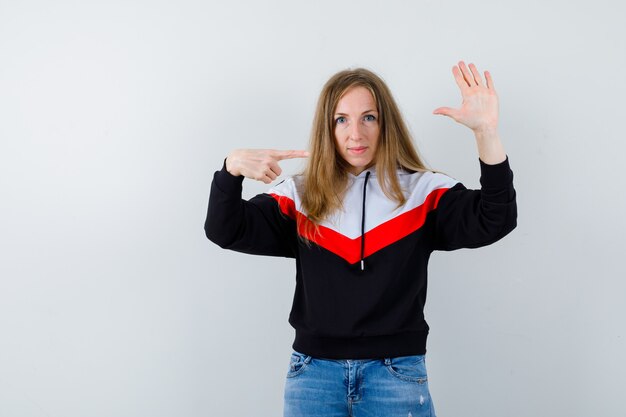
359, 166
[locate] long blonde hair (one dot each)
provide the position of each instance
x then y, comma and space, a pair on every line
326, 173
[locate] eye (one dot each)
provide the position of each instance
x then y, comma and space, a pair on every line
340, 120
370, 118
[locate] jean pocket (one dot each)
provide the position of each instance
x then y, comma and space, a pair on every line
408, 368
297, 363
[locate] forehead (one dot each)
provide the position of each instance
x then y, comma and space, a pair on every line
356, 98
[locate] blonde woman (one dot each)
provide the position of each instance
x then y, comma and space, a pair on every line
361, 222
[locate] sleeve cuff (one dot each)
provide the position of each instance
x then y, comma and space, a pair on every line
497, 175
226, 181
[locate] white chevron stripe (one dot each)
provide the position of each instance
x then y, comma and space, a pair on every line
378, 208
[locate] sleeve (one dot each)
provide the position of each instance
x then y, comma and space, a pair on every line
255, 226
474, 218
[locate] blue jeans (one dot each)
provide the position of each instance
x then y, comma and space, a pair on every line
317, 387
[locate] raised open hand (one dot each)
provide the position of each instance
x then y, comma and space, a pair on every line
479, 110
259, 164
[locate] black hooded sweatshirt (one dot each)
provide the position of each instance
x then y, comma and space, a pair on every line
361, 280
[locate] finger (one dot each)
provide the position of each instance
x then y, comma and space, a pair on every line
489, 80
275, 168
458, 77
445, 111
280, 155
469, 79
476, 74
270, 174
265, 175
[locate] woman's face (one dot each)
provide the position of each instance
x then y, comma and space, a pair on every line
357, 129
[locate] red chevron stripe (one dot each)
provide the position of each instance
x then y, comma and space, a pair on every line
376, 239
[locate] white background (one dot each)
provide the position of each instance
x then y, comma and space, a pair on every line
114, 116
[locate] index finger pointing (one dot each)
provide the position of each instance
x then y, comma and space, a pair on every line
280, 155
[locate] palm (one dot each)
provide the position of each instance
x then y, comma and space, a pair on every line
479, 109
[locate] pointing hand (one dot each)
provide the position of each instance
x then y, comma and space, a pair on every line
259, 164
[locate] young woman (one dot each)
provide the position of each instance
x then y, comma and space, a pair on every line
361, 222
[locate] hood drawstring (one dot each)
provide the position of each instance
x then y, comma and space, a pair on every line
367, 176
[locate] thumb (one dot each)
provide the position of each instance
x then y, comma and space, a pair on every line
445, 111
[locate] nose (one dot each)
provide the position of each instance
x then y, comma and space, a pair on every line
356, 131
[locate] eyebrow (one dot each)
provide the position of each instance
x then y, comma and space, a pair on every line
366, 111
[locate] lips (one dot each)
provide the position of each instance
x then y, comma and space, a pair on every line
357, 150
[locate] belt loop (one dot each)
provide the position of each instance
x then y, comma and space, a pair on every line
387, 361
